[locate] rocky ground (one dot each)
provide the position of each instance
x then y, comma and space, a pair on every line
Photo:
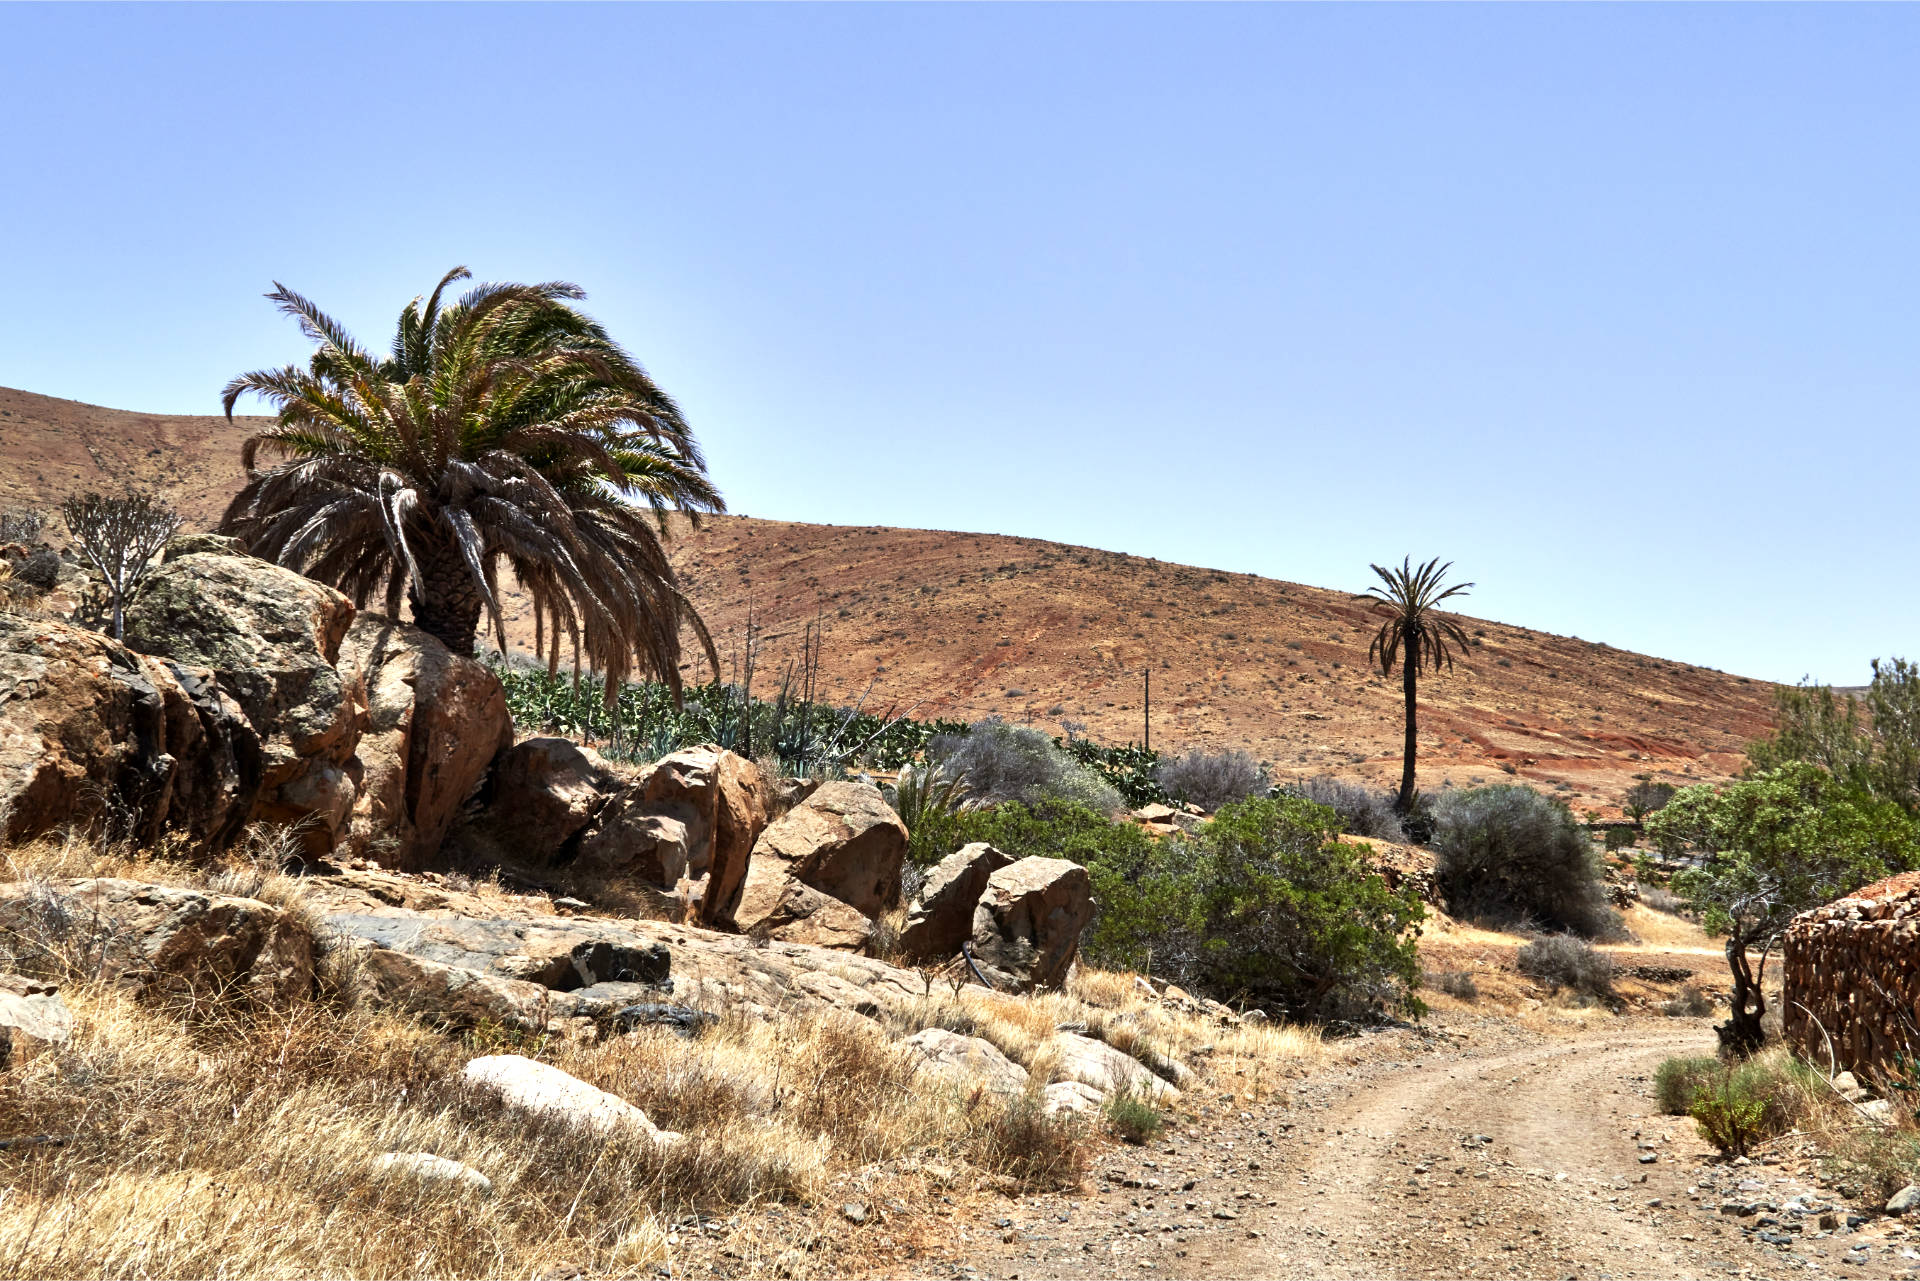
1471, 1147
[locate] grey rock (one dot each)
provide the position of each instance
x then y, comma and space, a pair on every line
1027, 926
941, 917
33, 1019
1905, 1200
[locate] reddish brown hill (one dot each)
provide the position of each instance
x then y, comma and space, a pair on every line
975, 624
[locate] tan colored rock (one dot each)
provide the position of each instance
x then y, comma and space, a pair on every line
93, 734
722, 799
1076, 1098
33, 1019
941, 918
627, 839
531, 1086
436, 720
541, 794
169, 943
1026, 928
428, 1168
444, 940
964, 1062
844, 842
803, 914
1101, 1066
271, 638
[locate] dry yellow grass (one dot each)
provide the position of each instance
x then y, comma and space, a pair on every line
220, 1141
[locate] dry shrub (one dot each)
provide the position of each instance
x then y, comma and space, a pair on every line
1017, 1138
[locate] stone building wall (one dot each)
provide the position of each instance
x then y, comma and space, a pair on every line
1851, 978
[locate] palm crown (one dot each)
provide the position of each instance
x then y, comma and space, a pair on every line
505, 427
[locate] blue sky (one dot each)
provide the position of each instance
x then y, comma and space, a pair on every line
1613, 306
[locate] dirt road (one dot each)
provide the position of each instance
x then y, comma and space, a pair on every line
1482, 1151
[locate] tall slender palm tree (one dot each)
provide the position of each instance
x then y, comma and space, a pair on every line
1414, 634
506, 427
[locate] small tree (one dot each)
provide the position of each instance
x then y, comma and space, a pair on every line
1877, 753
120, 536
1646, 797
1775, 845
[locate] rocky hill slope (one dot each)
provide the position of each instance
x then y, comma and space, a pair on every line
967, 625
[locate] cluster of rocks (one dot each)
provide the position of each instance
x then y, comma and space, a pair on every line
1851, 978
245, 693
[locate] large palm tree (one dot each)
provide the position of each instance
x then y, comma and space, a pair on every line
506, 427
1414, 634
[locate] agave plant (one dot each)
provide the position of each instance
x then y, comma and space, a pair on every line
507, 428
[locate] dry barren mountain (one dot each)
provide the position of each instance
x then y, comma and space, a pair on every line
968, 625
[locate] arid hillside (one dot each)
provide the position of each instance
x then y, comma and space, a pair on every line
969, 625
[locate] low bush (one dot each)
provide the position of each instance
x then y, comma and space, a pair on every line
1676, 1081
1133, 1119
1455, 983
40, 570
1002, 762
1740, 1105
1211, 779
1566, 962
1363, 810
1661, 900
1510, 857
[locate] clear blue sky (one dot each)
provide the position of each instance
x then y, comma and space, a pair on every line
1614, 306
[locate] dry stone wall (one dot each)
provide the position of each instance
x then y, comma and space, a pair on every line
1851, 978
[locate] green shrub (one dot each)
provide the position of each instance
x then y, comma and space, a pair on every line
1132, 1118
1129, 770
1739, 1105
1729, 1117
1676, 1081
1508, 856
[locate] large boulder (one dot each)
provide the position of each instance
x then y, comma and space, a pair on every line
541, 796
723, 800
271, 638
843, 841
94, 734
436, 720
941, 918
164, 942
1026, 927
33, 1019
696, 811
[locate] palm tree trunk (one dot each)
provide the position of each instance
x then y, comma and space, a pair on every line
1409, 684
450, 609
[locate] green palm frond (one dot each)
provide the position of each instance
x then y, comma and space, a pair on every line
504, 427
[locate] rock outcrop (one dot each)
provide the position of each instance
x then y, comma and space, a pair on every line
271, 639
459, 960
843, 846
436, 720
33, 1019
941, 917
93, 734
541, 796
166, 943
1026, 927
